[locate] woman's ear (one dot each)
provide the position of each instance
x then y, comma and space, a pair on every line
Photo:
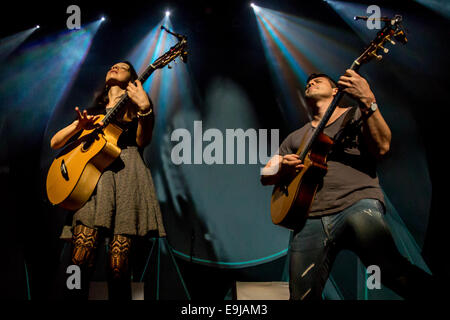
335, 91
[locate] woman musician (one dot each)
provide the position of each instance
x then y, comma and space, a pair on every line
124, 205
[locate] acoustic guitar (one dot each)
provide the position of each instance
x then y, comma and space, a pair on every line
292, 198
74, 173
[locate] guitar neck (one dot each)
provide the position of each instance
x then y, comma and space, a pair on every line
302, 153
147, 73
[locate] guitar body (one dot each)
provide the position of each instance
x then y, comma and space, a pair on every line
292, 199
74, 174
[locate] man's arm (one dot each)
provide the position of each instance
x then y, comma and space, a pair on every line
375, 129
278, 167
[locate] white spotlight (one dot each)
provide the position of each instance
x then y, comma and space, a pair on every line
255, 7
38, 26
103, 19
167, 13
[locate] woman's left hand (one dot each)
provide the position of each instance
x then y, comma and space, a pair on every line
138, 95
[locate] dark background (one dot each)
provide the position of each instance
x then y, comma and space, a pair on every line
222, 35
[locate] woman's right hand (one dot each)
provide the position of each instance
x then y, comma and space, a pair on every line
85, 121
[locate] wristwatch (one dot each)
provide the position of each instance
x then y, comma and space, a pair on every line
371, 109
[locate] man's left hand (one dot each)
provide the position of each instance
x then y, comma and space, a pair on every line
356, 86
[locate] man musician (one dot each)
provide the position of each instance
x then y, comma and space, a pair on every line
348, 208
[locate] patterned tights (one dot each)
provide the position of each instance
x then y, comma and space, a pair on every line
85, 242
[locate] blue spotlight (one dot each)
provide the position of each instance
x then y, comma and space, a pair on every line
103, 18
11, 43
47, 65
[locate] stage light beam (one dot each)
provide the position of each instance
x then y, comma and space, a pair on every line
439, 6
11, 43
255, 7
167, 13
47, 66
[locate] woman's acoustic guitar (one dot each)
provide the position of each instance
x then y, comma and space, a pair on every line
75, 172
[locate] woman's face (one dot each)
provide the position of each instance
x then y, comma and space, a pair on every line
118, 74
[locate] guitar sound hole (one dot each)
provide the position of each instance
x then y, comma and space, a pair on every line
89, 141
86, 145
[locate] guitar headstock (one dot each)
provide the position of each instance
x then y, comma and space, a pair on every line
392, 30
178, 50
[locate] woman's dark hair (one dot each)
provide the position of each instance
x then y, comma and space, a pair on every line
101, 99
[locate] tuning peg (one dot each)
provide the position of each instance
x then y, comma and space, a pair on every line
376, 56
392, 42
401, 36
385, 50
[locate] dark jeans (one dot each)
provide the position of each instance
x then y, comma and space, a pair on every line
362, 229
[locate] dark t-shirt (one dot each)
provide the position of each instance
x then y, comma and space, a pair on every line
351, 172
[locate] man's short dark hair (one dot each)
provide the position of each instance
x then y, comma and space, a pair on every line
317, 75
